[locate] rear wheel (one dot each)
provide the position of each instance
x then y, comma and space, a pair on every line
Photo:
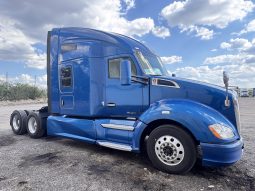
18, 122
35, 128
171, 149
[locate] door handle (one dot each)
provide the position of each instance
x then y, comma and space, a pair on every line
111, 104
62, 102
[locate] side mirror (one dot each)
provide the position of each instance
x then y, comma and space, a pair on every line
125, 72
225, 79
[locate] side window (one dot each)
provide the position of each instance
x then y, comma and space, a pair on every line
114, 67
66, 76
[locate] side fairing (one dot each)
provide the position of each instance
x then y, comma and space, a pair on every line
52, 71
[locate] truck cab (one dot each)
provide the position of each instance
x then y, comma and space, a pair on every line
109, 89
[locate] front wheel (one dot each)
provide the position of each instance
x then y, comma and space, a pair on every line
171, 149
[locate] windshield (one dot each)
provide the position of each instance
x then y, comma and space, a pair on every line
151, 64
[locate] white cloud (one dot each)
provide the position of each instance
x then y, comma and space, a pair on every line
225, 45
98, 14
250, 27
239, 44
202, 32
242, 52
218, 13
15, 46
231, 59
171, 59
31, 20
251, 50
242, 76
41, 81
138, 27
214, 13
161, 31
130, 4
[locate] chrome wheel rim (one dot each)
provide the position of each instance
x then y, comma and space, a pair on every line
169, 150
32, 125
16, 122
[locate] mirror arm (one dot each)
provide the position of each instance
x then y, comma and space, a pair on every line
227, 103
225, 80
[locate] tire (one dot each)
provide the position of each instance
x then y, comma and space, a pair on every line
28, 112
18, 122
171, 149
35, 126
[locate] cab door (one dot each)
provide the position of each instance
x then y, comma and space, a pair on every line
122, 100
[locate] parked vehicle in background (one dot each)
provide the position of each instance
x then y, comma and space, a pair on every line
253, 92
236, 89
111, 90
244, 92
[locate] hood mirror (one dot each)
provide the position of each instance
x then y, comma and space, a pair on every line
226, 80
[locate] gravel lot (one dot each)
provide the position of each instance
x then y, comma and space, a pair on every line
61, 164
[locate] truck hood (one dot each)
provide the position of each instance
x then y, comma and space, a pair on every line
178, 88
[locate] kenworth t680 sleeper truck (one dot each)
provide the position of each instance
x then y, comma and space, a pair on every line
111, 90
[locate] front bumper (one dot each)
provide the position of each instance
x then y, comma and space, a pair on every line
221, 154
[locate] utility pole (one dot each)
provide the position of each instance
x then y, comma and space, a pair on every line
35, 81
6, 78
34, 87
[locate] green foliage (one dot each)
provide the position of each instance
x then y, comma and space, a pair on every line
20, 91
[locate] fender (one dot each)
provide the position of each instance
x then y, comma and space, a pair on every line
193, 116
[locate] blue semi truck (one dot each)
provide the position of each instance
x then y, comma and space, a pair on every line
111, 90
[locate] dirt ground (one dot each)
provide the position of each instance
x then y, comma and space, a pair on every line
62, 164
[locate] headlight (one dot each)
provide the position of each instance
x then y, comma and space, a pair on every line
222, 132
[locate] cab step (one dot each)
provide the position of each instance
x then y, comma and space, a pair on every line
117, 146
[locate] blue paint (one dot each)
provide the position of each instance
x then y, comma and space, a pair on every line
93, 99
71, 128
221, 154
194, 116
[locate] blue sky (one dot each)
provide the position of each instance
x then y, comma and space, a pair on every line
196, 39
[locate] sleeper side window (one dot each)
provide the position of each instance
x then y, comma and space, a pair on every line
114, 67
66, 76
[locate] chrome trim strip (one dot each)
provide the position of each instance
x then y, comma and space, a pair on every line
115, 146
111, 104
120, 127
155, 83
165, 112
131, 118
